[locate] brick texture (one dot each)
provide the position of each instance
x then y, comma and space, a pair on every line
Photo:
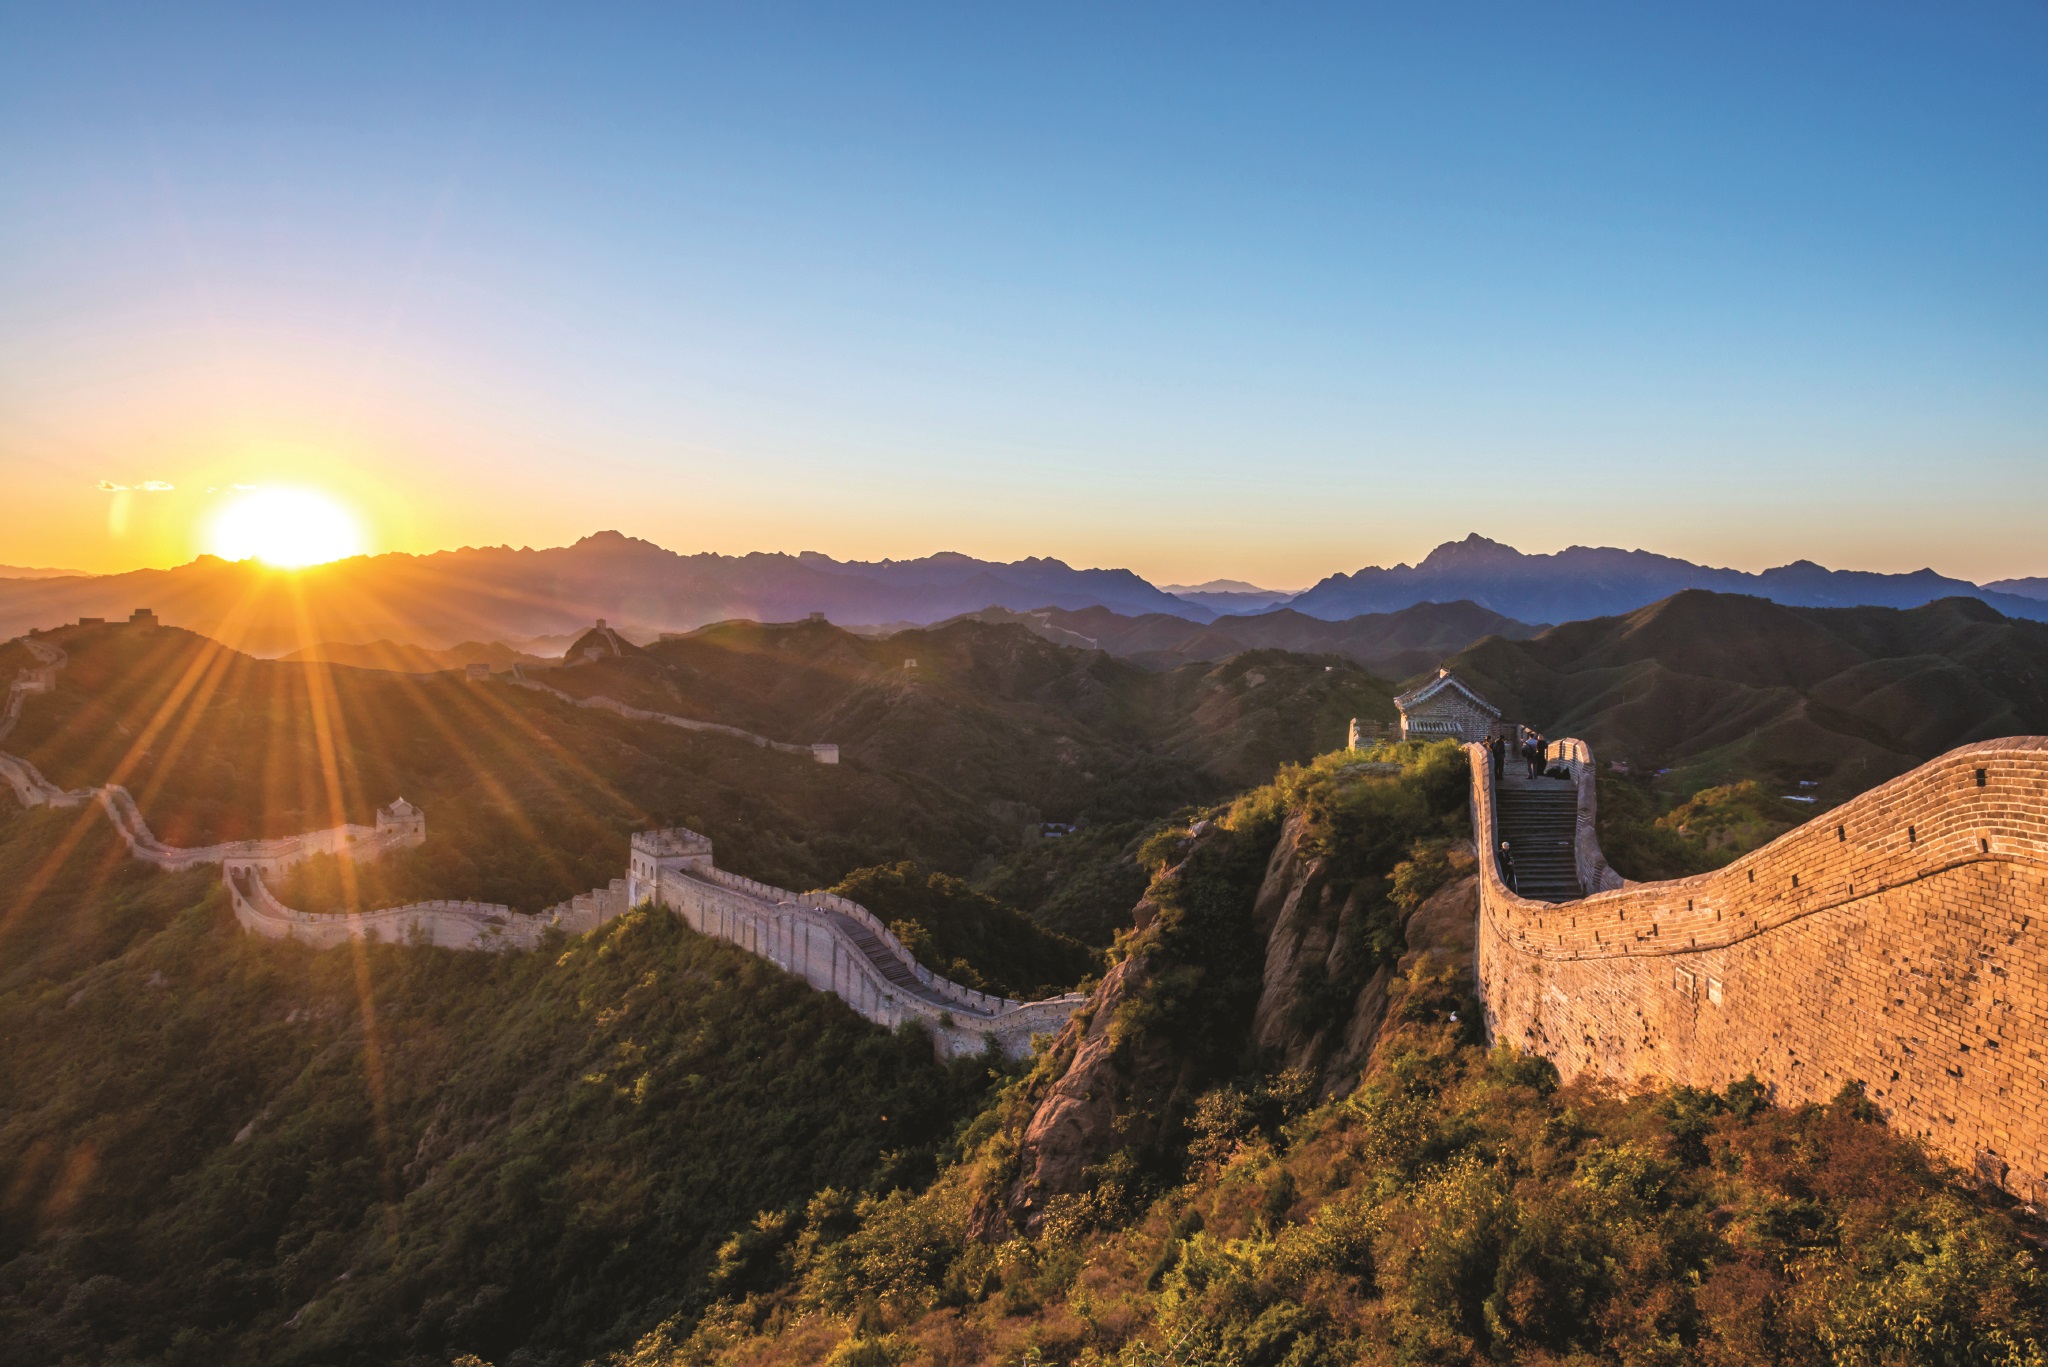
1896, 941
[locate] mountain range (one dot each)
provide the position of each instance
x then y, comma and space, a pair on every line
1391, 644
1722, 687
518, 596
1597, 581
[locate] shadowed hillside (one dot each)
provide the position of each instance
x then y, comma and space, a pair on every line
222, 1149
1721, 687
993, 710
410, 659
954, 764
1391, 644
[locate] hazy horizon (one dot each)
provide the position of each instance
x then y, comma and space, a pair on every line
1201, 292
1221, 582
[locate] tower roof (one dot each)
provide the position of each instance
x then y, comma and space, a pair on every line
1444, 679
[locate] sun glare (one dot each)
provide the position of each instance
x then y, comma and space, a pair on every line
286, 527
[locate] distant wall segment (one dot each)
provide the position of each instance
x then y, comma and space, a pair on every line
834, 944
1897, 940
823, 752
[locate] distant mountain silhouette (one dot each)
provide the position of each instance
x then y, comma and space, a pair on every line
2036, 587
1590, 581
27, 572
492, 593
1727, 686
1230, 595
518, 596
1391, 644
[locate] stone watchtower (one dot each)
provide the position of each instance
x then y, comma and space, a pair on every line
674, 850
401, 824
1446, 707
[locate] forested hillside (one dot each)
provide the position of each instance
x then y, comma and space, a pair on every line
1722, 688
219, 1149
1275, 1138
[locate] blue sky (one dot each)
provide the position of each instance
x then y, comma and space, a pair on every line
1260, 291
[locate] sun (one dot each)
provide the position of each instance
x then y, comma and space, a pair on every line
286, 527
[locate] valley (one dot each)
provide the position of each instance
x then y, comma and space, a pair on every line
1290, 934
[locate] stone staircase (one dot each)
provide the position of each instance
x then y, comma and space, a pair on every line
888, 964
1538, 819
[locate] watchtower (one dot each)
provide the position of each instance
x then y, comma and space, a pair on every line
401, 824
675, 850
1446, 707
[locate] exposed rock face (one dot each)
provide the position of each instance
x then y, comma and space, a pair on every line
1447, 925
1110, 1094
1320, 1008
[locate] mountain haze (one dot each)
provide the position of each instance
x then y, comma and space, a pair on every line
1597, 581
441, 600
493, 593
1391, 644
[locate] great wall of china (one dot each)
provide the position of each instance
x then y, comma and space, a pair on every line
1895, 941
834, 944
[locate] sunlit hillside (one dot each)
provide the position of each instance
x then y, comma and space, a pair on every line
954, 764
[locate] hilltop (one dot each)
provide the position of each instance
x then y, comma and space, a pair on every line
1722, 687
1391, 644
955, 764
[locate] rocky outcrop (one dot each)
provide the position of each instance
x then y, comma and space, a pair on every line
1115, 1088
1323, 998
1110, 1085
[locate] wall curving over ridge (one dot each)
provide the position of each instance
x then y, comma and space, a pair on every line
834, 944
1897, 940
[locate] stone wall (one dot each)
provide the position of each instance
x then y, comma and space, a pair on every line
1896, 941
1576, 758
449, 924
815, 936
804, 934
823, 753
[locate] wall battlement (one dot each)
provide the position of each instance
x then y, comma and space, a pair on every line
834, 944
1897, 941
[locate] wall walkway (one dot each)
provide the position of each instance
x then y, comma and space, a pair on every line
839, 946
1896, 940
834, 944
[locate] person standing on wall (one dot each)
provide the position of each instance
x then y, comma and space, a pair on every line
1498, 749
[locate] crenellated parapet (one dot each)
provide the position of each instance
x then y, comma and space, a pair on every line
834, 944
1895, 941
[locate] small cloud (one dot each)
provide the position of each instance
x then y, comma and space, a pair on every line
107, 486
155, 486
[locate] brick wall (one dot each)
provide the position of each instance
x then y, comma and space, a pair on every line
1896, 941
1448, 712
